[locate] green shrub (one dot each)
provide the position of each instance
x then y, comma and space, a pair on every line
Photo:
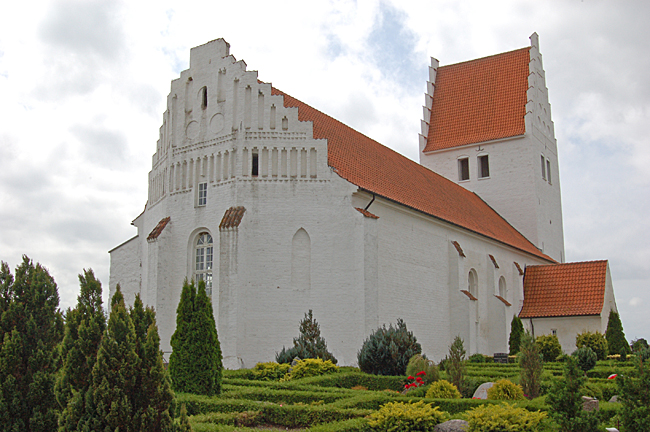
419, 363
270, 371
639, 345
476, 358
405, 417
387, 351
596, 341
586, 358
309, 344
505, 390
443, 389
549, 347
311, 367
503, 417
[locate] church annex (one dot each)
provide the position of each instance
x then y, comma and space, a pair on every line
280, 208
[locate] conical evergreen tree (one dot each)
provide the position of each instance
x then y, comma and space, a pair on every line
31, 326
516, 332
85, 325
195, 363
180, 367
115, 373
616, 342
153, 396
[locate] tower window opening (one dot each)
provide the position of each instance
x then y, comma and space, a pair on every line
548, 171
255, 164
204, 97
484, 166
463, 169
543, 168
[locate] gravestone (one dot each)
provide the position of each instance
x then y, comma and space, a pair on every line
500, 357
481, 391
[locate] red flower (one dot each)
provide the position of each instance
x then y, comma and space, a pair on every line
421, 373
410, 377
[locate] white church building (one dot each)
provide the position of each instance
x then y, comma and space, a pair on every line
280, 208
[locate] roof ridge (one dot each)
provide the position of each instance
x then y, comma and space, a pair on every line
484, 58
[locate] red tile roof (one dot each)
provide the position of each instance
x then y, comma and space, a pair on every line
158, 229
568, 289
479, 100
384, 172
232, 217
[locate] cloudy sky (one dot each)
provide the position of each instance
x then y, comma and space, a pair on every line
83, 86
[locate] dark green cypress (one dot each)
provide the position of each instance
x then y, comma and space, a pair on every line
153, 397
31, 326
516, 332
196, 362
616, 342
85, 325
115, 373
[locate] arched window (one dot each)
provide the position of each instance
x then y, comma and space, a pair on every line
204, 97
203, 259
472, 283
502, 287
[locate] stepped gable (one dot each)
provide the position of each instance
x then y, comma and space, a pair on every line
479, 100
384, 172
569, 289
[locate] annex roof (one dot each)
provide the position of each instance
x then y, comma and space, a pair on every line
384, 172
569, 289
479, 100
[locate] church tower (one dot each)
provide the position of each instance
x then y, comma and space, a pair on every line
487, 127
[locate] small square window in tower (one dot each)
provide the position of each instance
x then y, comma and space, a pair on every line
483, 166
203, 194
463, 169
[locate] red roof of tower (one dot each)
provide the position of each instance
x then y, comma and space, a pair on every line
382, 171
568, 289
479, 100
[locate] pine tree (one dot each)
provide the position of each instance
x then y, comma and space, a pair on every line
31, 326
115, 373
530, 362
195, 363
516, 333
309, 344
85, 325
565, 401
616, 342
456, 364
387, 351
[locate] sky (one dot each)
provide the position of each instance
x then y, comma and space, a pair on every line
83, 85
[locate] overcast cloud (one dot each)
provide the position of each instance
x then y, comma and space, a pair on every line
83, 85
